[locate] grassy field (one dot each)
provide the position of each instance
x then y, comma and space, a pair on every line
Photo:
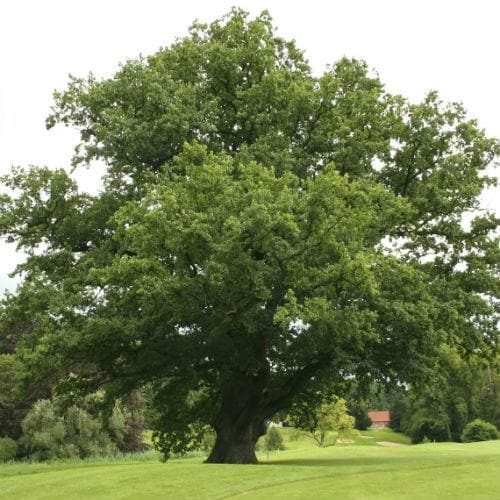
361, 470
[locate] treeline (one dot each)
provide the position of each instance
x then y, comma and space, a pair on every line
457, 393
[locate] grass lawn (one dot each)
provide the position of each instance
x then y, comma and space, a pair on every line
304, 471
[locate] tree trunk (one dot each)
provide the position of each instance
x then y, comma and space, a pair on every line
235, 444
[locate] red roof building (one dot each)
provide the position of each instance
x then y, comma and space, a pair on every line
380, 419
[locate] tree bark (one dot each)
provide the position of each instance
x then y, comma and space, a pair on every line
235, 444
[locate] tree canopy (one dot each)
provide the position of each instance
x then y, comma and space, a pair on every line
262, 234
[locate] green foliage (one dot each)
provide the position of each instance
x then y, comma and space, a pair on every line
208, 440
8, 449
126, 423
116, 425
426, 426
44, 433
359, 410
86, 434
47, 435
10, 381
10, 378
479, 430
319, 421
458, 391
400, 409
262, 235
489, 396
273, 440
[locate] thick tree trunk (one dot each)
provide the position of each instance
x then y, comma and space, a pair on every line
233, 448
235, 444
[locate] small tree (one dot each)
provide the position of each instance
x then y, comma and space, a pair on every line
359, 410
44, 433
319, 421
273, 440
8, 449
85, 432
126, 423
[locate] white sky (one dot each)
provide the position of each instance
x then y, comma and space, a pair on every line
451, 46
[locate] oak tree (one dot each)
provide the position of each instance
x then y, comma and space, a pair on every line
262, 234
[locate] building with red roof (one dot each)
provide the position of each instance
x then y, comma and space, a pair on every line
380, 419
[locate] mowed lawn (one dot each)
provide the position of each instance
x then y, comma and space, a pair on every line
304, 471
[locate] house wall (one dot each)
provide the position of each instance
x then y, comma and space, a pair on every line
379, 425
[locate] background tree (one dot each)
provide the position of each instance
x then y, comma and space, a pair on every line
273, 440
359, 410
262, 234
489, 397
10, 378
49, 433
453, 395
373, 395
320, 421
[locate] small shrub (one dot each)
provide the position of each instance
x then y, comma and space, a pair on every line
479, 430
208, 440
273, 440
8, 449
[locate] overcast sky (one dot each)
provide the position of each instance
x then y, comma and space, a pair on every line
450, 46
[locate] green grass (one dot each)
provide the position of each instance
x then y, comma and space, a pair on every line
371, 437
363, 438
432, 471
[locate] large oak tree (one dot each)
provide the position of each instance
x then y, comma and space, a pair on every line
262, 234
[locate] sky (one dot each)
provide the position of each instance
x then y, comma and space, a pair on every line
415, 46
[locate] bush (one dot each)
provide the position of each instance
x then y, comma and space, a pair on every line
479, 430
123, 421
428, 421
8, 449
86, 434
44, 433
273, 440
208, 440
71, 434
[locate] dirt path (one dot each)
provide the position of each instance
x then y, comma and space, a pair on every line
390, 444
